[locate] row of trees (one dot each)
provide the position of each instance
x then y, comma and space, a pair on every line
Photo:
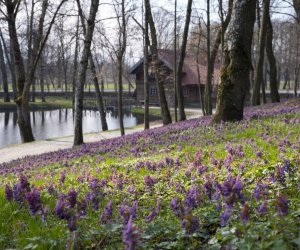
73, 40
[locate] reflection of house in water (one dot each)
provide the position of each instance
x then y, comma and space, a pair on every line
190, 80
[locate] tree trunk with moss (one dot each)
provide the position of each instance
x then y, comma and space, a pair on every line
235, 72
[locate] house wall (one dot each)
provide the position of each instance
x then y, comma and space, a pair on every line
191, 92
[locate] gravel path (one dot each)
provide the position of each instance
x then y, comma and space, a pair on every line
13, 152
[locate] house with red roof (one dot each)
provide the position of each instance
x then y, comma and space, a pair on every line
193, 79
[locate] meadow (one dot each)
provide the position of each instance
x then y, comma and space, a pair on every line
190, 185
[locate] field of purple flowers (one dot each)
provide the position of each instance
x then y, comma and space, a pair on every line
189, 185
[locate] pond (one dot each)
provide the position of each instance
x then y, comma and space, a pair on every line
60, 123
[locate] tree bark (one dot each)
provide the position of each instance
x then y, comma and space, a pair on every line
218, 41
42, 79
272, 61
296, 4
22, 99
200, 89
146, 70
98, 96
75, 64
179, 91
78, 135
4, 75
236, 63
165, 113
259, 69
120, 57
9, 59
208, 85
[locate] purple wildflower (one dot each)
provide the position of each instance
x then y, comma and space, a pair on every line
51, 189
72, 224
107, 213
153, 213
72, 197
263, 208
282, 205
34, 201
225, 216
82, 207
61, 209
130, 236
149, 181
62, 177
190, 223
176, 207
192, 197
8, 192
245, 213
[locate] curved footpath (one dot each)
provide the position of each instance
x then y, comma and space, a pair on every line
16, 151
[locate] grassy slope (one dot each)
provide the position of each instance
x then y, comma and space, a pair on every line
51, 103
177, 158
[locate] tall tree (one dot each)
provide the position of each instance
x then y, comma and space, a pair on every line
179, 91
146, 70
24, 81
165, 113
78, 135
93, 70
4, 75
122, 43
236, 62
296, 4
208, 85
219, 40
260, 64
272, 61
9, 58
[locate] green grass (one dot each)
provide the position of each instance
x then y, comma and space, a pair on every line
51, 103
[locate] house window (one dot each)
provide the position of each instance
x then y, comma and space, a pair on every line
153, 91
186, 92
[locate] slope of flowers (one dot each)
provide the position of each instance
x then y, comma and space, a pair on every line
190, 185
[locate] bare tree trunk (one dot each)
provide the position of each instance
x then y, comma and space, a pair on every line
10, 65
201, 94
175, 62
272, 61
98, 96
42, 79
146, 75
78, 136
259, 69
208, 85
296, 82
75, 64
165, 113
4, 76
23, 98
236, 63
179, 91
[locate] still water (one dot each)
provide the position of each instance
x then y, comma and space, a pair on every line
59, 123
